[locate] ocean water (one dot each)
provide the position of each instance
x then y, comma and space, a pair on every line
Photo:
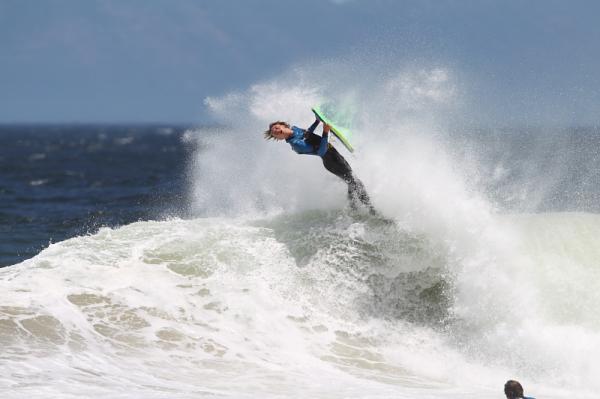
60, 181
165, 262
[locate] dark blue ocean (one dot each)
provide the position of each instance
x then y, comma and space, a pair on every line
61, 181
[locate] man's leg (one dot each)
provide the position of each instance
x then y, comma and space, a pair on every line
336, 164
352, 198
358, 191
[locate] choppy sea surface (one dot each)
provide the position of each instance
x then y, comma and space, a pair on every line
60, 181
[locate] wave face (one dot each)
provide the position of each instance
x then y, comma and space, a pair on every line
278, 306
275, 289
317, 302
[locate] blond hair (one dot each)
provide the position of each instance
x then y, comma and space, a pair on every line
268, 134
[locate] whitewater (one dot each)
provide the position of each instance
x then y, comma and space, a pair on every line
274, 288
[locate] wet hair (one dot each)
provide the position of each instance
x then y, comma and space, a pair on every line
513, 389
268, 135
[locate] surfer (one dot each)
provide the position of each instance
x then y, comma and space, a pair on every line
514, 390
307, 142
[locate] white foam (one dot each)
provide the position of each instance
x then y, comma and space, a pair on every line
236, 303
408, 167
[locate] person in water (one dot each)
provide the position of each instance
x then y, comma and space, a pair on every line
307, 142
514, 390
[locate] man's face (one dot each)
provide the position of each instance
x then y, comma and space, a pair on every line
280, 132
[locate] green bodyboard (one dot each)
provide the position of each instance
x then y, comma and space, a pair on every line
339, 121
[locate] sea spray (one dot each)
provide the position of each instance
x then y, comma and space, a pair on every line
274, 289
414, 174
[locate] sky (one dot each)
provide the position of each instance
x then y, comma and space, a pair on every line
128, 61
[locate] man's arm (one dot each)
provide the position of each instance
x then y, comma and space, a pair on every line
312, 127
324, 141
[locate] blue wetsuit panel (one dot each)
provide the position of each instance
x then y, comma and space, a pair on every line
299, 144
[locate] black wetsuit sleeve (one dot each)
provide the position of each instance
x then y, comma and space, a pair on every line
313, 126
323, 145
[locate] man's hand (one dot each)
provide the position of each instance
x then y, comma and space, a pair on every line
326, 128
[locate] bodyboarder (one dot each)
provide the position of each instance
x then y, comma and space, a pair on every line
308, 143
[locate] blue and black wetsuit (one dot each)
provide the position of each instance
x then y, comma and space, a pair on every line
306, 142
